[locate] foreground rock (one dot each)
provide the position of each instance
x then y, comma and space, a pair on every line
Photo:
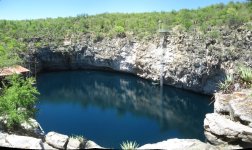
74, 143
188, 144
231, 122
22, 142
91, 145
225, 130
30, 128
53, 140
57, 140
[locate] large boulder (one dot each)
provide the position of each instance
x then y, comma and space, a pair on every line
28, 128
241, 110
22, 142
32, 128
57, 140
74, 143
226, 129
231, 122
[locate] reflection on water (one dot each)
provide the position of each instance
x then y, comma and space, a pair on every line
110, 108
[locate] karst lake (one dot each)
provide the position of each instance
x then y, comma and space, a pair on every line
110, 108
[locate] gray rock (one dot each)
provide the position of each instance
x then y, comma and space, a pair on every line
47, 147
23, 142
73, 143
242, 110
221, 103
90, 145
32, 128
29, 128
178, 144
3, 141
226, 130
186, 62
56, 140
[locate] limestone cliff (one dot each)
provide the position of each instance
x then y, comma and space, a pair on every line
194, 61
231, 122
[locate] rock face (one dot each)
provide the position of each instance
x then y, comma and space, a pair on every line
195, 61
53, 140
73, 144
22, 142
231, 122
30, 128
191, 144
56, 140
92, 145
176, 144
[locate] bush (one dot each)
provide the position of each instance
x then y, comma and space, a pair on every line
17, 100
120, 31
245, 73
129, 145
225, 86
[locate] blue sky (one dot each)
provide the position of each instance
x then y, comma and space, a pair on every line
33, 9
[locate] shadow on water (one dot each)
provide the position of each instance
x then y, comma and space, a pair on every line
112, 107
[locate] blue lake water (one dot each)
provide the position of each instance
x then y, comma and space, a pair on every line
110, 108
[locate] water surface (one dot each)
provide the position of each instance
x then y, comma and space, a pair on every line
110, 108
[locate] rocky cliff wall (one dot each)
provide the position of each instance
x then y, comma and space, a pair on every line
231, 122
194, 61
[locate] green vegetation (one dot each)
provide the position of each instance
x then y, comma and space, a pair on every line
17, 37
246, 74
243, 78
225, 86
46, 32
78, 137
129, 145
17, 100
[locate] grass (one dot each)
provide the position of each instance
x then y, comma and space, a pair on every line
243, 78
225, 85
245, 73
128, 145
78, 137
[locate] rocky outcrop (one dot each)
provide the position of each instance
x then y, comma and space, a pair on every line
30, 128
22, 142
57, 140
231, 122
73, 143
194, 61
91, 145
190, 144
52, 140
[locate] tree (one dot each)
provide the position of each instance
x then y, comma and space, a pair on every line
17, 100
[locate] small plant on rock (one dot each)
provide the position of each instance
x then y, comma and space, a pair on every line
128, 145
246, 74
78, 137
225, 86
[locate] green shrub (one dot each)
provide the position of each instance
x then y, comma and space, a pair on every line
120, 31
245, 73
17, 100
129, 145
98, 37
78, 137
225, 85
214, 34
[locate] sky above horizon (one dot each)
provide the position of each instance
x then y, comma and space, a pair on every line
34, 9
